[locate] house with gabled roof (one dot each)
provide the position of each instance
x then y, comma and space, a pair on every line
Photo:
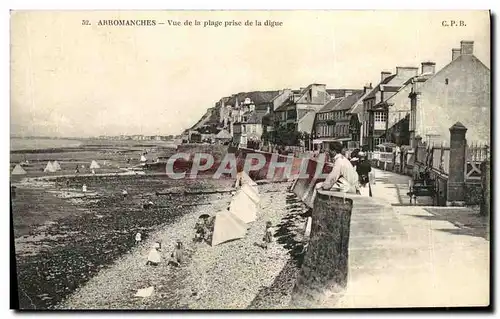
261, 102
247, 116
332, 121
398, 107
459, 92
374, 108
299, 110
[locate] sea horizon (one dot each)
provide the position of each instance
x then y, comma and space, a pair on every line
39, 143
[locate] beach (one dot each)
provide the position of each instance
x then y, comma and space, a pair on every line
76, 250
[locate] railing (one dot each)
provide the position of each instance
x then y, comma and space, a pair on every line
475, 154
385, 157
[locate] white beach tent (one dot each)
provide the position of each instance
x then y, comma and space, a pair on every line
18, 170
49, 168
227, 227
94, 165
56, 166
251, 192
243, 207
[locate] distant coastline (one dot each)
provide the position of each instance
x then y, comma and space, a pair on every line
40, 143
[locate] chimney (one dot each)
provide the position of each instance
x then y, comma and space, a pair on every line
406, 71
466, 47
428, 67
366, 88
384, 75
455, 53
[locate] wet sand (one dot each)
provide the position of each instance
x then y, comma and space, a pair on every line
233, 275
79, 238
77, 251
63, 237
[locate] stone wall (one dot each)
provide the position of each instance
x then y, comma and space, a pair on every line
325, 268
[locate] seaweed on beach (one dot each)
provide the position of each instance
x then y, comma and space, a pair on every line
77, 247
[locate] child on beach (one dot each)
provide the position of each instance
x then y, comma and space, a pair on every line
138, 238
177, 256
268, 236
154, 257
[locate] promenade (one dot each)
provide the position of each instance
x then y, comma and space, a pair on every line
414, 256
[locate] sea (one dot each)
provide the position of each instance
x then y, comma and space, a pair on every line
17, 144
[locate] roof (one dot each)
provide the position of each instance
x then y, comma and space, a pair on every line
347, 102
339, 92
223, 134
284, 105
330, 105
257, 97
305, 123
377, 88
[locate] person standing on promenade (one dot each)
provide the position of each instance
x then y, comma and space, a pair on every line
343, 176
363, 169
354, 158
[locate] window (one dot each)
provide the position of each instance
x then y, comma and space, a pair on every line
380, 116
378, 140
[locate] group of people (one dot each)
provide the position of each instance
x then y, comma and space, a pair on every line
154, 257
348, 175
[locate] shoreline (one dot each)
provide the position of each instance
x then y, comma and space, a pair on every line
226, 276
63, 242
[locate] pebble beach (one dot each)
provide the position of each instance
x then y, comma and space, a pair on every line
77, 251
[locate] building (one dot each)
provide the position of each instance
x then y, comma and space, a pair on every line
357, 117
237, 105
332, 121
398, 107
248, 130
324, 124
374, 106
246, 117
459, 92
298, 111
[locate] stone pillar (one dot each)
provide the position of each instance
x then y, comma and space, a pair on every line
325, 267
456, 176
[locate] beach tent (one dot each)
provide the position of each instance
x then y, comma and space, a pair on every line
243, 207
18, 170
143, 158
227, 227
251, 192
49, 168
56, 166
94, 165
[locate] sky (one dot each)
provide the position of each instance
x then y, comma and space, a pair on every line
74, 80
